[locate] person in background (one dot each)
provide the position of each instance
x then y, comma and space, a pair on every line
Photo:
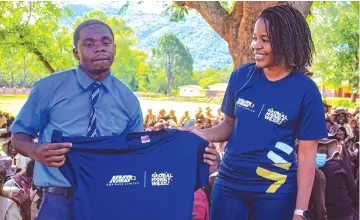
220, 115
327, 109
19, 160
329, 124
209, 117
172, 116
354, 124
199, 116
149, 118
8, 208
341, 198
185, 118
317, 208
340, 118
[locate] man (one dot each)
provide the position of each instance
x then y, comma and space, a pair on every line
86, 101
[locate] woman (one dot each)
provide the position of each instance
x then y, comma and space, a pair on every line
8, 208
267, 106
341, 118
341, 198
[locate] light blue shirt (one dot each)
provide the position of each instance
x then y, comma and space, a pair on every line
62, 101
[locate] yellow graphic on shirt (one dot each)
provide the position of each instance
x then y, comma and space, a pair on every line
277, 177
278, 162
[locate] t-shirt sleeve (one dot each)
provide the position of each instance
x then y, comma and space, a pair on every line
202, 174
34, 114
228, 103
312, 124
238, 80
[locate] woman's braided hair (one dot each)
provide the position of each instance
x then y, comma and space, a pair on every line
290, 36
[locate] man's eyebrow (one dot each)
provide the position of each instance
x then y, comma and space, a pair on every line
88, 39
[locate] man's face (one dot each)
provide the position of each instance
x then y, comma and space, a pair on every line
341, 119
95, 49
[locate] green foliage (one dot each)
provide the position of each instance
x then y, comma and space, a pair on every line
341, 102
172, 56
211, 76
228, 5
335, 31
176, 13
30, 37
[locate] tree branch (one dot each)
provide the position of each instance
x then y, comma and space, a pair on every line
42, 59
214, 14
302, 6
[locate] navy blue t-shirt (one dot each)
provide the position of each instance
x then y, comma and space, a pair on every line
269, 116
147, 175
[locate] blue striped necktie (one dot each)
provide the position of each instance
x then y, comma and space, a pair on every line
91, 132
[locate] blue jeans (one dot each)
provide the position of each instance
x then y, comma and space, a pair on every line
232, 204
56, 207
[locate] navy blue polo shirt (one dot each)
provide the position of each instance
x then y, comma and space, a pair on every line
145, 175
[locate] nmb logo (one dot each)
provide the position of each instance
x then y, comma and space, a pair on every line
122, 179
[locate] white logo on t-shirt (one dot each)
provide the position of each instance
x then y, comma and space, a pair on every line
121, 180
275, 116
161, 179
245, 104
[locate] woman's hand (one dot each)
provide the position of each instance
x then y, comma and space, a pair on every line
197, 131
210, 151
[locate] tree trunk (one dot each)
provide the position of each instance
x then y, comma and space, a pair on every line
169, 79
237, 27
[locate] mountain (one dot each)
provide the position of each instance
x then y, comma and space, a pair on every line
208, 49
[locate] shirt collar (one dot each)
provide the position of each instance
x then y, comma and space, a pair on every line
85, 80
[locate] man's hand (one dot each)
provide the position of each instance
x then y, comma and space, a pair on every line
52, 155
210, 155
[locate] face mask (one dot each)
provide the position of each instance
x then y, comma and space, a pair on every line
320, 160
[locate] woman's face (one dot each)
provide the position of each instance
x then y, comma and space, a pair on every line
261, 45
353, 124
340, 135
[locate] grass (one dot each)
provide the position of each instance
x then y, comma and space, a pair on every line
12, 103
13, 97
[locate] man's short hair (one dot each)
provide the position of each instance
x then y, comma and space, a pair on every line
86, 24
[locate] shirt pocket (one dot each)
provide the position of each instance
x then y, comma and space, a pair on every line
116, 124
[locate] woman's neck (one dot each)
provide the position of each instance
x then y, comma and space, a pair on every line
277, 72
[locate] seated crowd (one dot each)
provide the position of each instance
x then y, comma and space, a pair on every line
335, 190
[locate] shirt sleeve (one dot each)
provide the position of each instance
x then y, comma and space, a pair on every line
33, 115
228, 103
312, 124
136, 123
202, 176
